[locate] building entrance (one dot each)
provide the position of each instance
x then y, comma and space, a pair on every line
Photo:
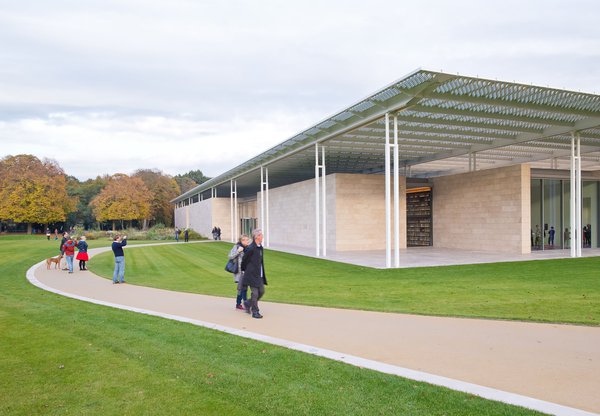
419, 230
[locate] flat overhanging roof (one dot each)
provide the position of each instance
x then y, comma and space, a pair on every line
443, 119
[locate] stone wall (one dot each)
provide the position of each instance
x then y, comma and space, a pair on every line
202, 216
360, 212
355, 213
485, 210
292, 214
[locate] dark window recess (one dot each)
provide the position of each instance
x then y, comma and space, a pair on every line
418, 212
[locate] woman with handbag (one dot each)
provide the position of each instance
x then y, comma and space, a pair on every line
235, 257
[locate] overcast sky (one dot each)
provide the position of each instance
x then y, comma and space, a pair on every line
113, 86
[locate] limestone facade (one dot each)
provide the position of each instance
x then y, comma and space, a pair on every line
355, 213
487, 210
202, 216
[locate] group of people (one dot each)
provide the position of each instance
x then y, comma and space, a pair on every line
537, 239
68, 245
186, 234
216, 233
250, 272
49, 234
248, 255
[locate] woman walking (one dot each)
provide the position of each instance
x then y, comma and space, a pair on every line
237, 253
82, 254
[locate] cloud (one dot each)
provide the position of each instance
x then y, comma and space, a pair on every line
87, 145
107, 86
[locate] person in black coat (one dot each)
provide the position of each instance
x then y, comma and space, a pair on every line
254, 273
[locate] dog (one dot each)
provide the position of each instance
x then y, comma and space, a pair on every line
55, 260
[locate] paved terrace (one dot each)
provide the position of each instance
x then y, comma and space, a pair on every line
430, 256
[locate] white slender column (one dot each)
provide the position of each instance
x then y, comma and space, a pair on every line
231, 214
388, 216
579, 196
324, 202
572, 197
236, 210
317, 222
396, 197
266, 230
262, 198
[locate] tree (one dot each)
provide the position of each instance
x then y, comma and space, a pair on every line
124, 198
195, 175
163, 189
85, 192
185, 183
33, 191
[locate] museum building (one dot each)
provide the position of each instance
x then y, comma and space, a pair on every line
432, 159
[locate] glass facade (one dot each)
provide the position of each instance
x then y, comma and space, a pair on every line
550, 214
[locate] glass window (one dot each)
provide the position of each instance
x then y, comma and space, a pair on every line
536, 214
567, 235
589, 214
552, 224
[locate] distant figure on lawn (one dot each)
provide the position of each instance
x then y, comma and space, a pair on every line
177, 232
186, 235
55, 234
237, 253
117, 248
48, 233
82, 254
254, 273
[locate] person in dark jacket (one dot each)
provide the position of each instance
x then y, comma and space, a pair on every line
82, 254
254, 273
117, 248
186, 235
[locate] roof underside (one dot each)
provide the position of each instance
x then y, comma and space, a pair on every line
442, 120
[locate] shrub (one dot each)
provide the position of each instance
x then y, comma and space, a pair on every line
157, 232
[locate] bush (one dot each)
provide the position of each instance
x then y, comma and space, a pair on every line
157, 232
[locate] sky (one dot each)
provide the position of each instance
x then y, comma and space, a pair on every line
106, 87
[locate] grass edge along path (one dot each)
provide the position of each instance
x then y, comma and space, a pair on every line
62, 356
551, 291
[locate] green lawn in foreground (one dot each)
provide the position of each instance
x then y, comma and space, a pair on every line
62, 356
566, 290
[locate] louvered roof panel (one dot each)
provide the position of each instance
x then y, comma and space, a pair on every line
442, 118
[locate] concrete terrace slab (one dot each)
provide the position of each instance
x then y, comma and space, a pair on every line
430, 256
555, 364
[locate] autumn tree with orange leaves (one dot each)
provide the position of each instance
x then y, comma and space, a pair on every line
33, 191
124, 198
164, 189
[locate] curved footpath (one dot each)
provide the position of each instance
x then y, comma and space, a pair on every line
547, 367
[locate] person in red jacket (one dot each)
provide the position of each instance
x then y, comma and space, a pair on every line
69, 249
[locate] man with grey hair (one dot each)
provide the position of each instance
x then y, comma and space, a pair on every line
254, 273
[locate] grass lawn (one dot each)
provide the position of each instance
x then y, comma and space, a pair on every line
61, 356
566, 290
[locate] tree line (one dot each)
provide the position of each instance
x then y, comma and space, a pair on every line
35, 191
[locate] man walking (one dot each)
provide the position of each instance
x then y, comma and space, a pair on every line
254, 273
117, 248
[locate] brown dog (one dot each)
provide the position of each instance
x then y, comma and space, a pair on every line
55, 260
